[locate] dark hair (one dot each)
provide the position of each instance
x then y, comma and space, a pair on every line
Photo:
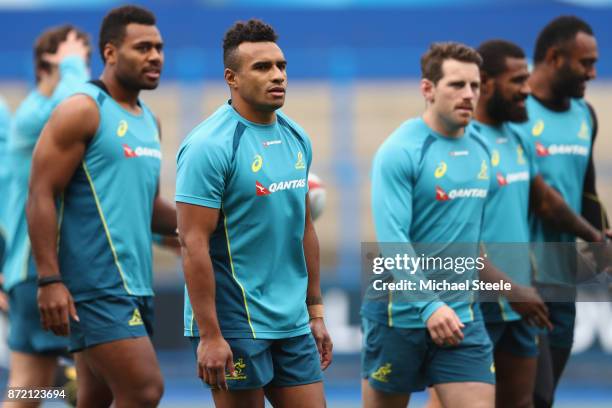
494, 54
49, 41
114, 23
559, 32
431, 61
251, 31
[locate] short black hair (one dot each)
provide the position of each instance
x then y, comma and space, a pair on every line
494, 54
558, 32
432, 60
250, 31
49, 41
114, 23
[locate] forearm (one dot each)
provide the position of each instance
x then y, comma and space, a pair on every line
164, 217
558, 214
311, 253
200, 280
42, 228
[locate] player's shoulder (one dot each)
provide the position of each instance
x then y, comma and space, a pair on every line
286, 121
474, 133
405, 143
410, 135
215, 132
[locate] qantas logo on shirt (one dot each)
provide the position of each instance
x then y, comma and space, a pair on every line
441, 195
512, 178
561, 149
261, 190
141, 152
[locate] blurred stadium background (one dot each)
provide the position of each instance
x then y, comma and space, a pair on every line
353, 73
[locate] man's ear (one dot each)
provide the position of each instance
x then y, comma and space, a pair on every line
487, 85
555, 56
230, 77
110, 53
428, 90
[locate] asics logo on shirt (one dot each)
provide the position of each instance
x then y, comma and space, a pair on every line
563, 149
140, 151
440, 170
257, 163
538, 128
261, 190
122, 128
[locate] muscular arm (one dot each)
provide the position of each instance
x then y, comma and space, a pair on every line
196, 225
552, 208
57, 154
313, 293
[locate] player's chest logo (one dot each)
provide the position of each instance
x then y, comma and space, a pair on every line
299, 164
257, 163
495, 158
483, 174
440, 171
584, 131
520, 155
538, 128
122, 128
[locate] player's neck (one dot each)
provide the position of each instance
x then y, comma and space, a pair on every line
482, 116
542, 89
439, 125
127, 98
252, 115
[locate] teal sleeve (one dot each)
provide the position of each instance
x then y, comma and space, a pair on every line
201, 175
73, 73
35, 110
392, 192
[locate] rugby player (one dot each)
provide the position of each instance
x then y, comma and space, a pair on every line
517, 186
61, 57
561, 128
430, 180
254, 311
91, 212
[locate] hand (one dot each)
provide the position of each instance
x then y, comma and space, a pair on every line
214, 357
445, 327
526, 302
71, 46
56, 306
602, 252
323, 340
4, 304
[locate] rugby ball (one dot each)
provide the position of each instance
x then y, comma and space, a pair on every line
316, 196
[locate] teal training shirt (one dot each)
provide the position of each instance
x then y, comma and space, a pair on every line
256, 175
5, 118
562, 145
505, 226
106, 210
428, 188
29, 120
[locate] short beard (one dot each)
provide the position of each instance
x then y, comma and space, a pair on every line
502, 110
567, 84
